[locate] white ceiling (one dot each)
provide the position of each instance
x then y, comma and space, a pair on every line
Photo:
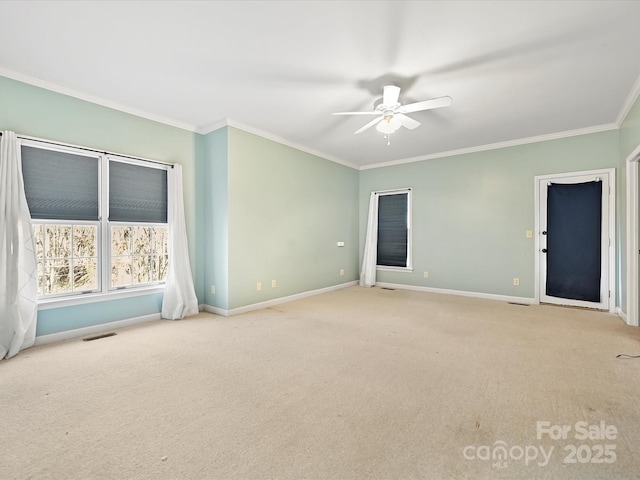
514, 69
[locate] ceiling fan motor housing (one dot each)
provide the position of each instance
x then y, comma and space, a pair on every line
379, 106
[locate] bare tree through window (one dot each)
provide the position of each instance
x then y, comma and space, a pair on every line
138, 255
67, 258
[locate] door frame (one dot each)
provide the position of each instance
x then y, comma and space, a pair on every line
632, 315
611, 175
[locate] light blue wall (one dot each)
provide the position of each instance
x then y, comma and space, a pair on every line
471, 212
200, 193
216, 219
70, 318
272, 212
258, 210
34, 111
287, 211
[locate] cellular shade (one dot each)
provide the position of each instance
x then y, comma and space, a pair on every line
393, 230
137, 194
60, 185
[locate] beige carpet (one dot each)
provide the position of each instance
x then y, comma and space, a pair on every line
354, 384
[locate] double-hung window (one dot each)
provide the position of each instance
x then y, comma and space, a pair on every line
99, 221
394, 230
138, 232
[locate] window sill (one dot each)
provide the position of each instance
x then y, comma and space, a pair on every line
394, 269
48, 303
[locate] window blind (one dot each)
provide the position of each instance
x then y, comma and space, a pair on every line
60, 185
393, 230
137, 193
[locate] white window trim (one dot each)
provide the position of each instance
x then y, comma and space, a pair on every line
106, 293
81, 299
384, 268
409, 267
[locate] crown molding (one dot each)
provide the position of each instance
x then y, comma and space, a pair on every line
228, 122
203, 130
631, 100
37, 82
212, 127
495, 146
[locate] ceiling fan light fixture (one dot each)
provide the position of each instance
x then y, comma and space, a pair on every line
388, 125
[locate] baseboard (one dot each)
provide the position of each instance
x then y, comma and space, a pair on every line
622, 315
103, 327
462, 293
276, 301
216, 310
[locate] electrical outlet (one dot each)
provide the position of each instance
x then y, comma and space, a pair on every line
213, 289
274, 284
259, 286
516, 281
342, 272
425, 274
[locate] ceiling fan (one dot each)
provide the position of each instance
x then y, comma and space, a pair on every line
390, 113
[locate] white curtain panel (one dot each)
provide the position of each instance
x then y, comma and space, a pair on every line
179, 294
369, 260
18, 274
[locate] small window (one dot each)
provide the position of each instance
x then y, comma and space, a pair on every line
394, 229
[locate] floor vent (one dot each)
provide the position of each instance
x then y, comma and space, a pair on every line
520, 304
387, 288
104, 335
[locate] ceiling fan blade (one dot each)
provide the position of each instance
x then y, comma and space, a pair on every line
426, 105
390, 94
368, 125
356, 113
407, 122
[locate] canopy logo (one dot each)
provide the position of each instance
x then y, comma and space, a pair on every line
500, 454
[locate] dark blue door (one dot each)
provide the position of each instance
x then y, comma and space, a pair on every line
574, 241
